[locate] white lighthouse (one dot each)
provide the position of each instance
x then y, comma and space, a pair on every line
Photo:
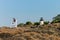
14, 22
41, 21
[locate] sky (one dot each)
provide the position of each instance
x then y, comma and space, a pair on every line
27, 10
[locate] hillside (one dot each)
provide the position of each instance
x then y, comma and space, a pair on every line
45, 32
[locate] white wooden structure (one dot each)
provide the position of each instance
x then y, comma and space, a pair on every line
41, 21
14, 22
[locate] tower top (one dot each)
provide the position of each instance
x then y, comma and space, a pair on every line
41, 19
14, 20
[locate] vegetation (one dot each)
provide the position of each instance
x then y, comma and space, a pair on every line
56, 19
34, 32
36, 23
21, 24
46, 22
28, 23
24, 33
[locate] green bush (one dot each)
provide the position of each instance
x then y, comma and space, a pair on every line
56, 19
28, 23
21, 24
46, 22
36, 23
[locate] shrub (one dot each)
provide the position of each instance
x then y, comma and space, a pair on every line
21, 24
56, 19
28, 23
36, 23
46, 22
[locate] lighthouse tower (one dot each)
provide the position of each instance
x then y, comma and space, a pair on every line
14, 22
41, 21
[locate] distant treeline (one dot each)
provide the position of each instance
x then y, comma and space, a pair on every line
55, 19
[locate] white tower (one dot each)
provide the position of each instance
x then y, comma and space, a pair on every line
41, 21
14, 22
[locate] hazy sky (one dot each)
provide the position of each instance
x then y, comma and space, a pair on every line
27, 10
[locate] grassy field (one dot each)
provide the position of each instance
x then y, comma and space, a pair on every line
45, 32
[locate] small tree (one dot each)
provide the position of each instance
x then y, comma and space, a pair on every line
21, 24
56, 19
28, 23
36, 23
46, 22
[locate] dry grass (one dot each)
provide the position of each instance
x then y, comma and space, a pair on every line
47, 32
